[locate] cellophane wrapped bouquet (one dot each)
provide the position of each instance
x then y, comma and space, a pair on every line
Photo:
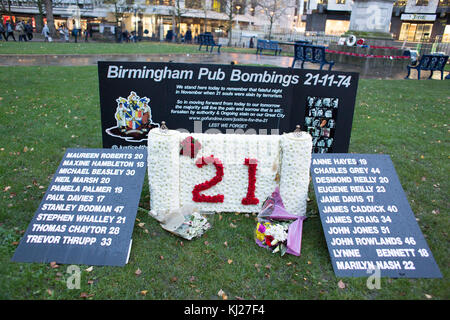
277, 229
185, 222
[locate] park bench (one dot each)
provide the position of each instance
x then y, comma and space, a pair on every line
305, 52
267, 45
429, 62
207, 39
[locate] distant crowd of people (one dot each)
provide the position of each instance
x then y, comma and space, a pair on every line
24, 31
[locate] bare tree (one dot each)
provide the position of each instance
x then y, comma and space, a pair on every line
230, 12
40, 16
49, 15
177, 12
274, 10
5, 7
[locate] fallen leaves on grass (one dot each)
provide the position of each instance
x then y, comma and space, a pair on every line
89, 269
144, 292
428, 296
230, 261
341, 284
222, 294
138, 272
85, 295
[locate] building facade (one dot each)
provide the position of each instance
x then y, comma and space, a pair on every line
154, 18
411, 20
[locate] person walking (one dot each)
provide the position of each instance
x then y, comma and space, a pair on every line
2, 32
46, 33
29, 30
9, 31
66, 33
20, 28
61, 32
75, 33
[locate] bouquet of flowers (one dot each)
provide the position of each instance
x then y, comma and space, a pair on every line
277, 229
185, 222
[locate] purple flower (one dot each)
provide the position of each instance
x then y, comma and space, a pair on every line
262, 228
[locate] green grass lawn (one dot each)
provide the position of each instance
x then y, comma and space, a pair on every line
11, 47
45, 110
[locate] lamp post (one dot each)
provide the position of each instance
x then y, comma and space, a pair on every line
237, 16
137, 9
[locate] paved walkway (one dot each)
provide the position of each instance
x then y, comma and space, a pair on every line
214, 58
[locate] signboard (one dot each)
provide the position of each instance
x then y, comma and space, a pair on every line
88, 212
418, 17
367, 220
136, 96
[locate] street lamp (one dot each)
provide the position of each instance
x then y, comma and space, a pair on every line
136, 9
237, 16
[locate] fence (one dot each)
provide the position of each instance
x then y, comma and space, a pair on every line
242, 38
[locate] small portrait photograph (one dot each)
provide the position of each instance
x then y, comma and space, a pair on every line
329, 142
323, 150
320, 143
310, 101
328, 113
331, 123
316, 122
319, 113
316, 132
318, 102
335, 103
314, 141
312, 112
311, 130
326, 132
326, 102
308, 121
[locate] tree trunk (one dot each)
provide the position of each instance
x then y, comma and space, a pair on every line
39, 17
49, 16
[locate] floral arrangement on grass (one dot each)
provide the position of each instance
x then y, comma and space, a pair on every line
273, 235
193, 226
277, 229
185, 222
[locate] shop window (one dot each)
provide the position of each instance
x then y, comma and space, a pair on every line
336, 27
415, 32
340, 1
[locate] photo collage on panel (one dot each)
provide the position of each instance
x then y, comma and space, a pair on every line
320, 121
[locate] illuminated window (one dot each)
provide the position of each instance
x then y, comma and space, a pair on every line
193, 4
336, 27
216, 5
422, 3
446, 35
340, 1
